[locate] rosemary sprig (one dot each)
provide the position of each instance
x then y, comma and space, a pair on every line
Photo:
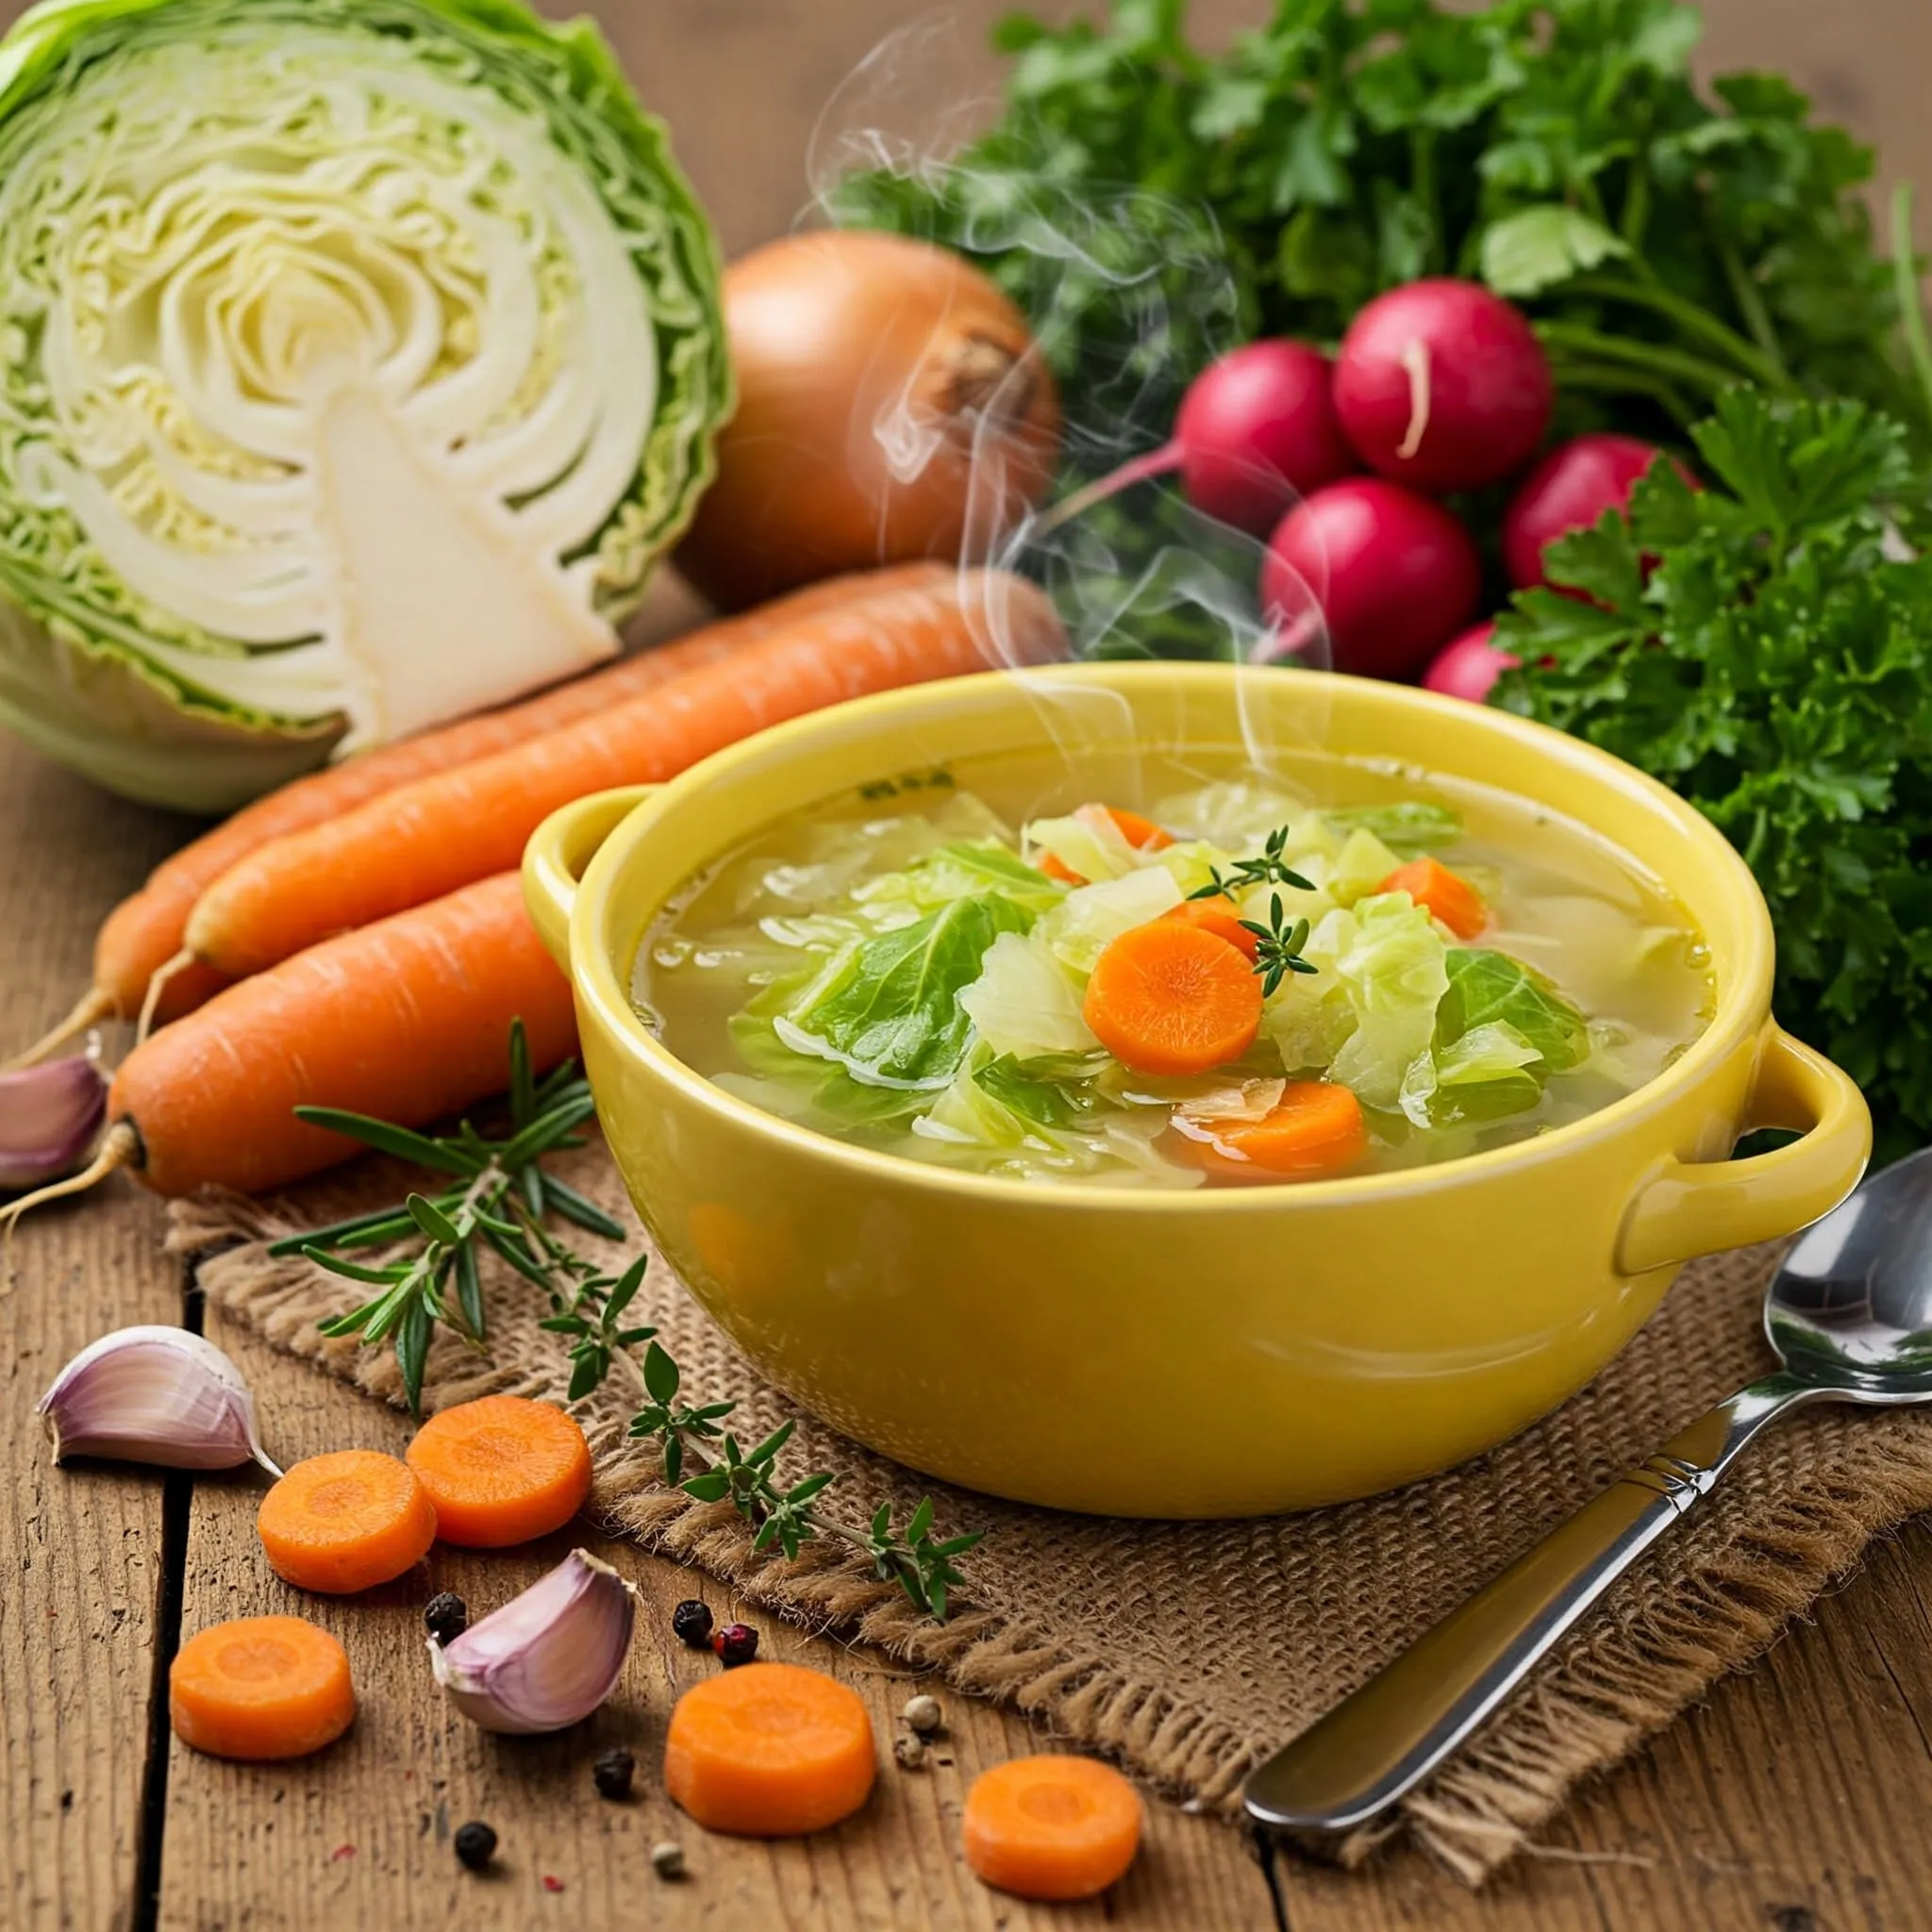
1271, 869
498, 1198
501, 1198
785, 1513
1278, 946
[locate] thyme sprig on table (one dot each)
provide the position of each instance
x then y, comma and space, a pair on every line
788, 1514
501, 1199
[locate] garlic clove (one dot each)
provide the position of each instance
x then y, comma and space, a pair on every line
154, 1394
546, 1659
49, 1116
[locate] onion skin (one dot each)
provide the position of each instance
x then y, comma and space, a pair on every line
868, 366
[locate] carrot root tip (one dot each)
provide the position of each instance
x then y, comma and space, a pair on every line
158, 984
121, 1148
96, 1004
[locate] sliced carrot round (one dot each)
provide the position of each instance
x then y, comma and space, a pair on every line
769, 1751
1050, 1827
1142, 834
1442, 893
1315, 1127
346, 1521
1218, 915
260, 1688
1171, 998
502, 1470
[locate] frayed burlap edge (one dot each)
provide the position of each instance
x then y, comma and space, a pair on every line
1708, 1602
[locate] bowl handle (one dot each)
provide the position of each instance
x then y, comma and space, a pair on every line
1702, 1207
558, 851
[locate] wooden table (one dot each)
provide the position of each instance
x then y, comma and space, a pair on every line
1798, 1797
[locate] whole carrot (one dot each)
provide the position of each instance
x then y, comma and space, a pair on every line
405, 1019
434, 835
144, 932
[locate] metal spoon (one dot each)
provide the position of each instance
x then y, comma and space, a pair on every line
1849, 1315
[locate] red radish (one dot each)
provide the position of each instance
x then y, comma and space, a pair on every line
1442, 386
1469, 667
1567, 491
1255, 430
1392, 576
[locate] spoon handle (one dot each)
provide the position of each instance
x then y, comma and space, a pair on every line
1385, 1738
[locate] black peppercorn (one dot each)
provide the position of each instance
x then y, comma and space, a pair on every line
690, 1622
447, 1617
736, 1643
613, 1772
476, 1844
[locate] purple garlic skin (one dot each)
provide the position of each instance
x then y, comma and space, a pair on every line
546, 1659
154, 1394
49, 1116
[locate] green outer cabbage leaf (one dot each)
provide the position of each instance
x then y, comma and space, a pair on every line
129, 691
1488, 988
887, 1009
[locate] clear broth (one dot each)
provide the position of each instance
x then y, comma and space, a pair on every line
1562, 900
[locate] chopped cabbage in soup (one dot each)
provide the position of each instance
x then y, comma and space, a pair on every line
1206, 984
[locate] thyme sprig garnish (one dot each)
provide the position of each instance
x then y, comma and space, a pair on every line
1278, 946
1278, 943
1270, 868
500, 1198
785, 1513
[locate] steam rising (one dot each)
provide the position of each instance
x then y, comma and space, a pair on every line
1142, 575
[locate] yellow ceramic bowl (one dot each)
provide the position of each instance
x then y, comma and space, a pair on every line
1215, 1352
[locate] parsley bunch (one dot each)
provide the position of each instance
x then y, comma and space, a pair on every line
1775, 667
1149, 204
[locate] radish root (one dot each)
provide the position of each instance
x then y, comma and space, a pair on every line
1157, 462
1415, 362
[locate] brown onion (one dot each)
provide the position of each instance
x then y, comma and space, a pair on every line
892, 405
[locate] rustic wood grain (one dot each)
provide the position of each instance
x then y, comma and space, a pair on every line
1799, 1790
361, 1833
80, 1547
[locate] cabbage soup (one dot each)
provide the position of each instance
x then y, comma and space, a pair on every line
1156, 972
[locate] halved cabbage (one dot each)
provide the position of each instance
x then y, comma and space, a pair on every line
358, 359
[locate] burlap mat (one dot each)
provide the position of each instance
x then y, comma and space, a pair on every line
1188, 1651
